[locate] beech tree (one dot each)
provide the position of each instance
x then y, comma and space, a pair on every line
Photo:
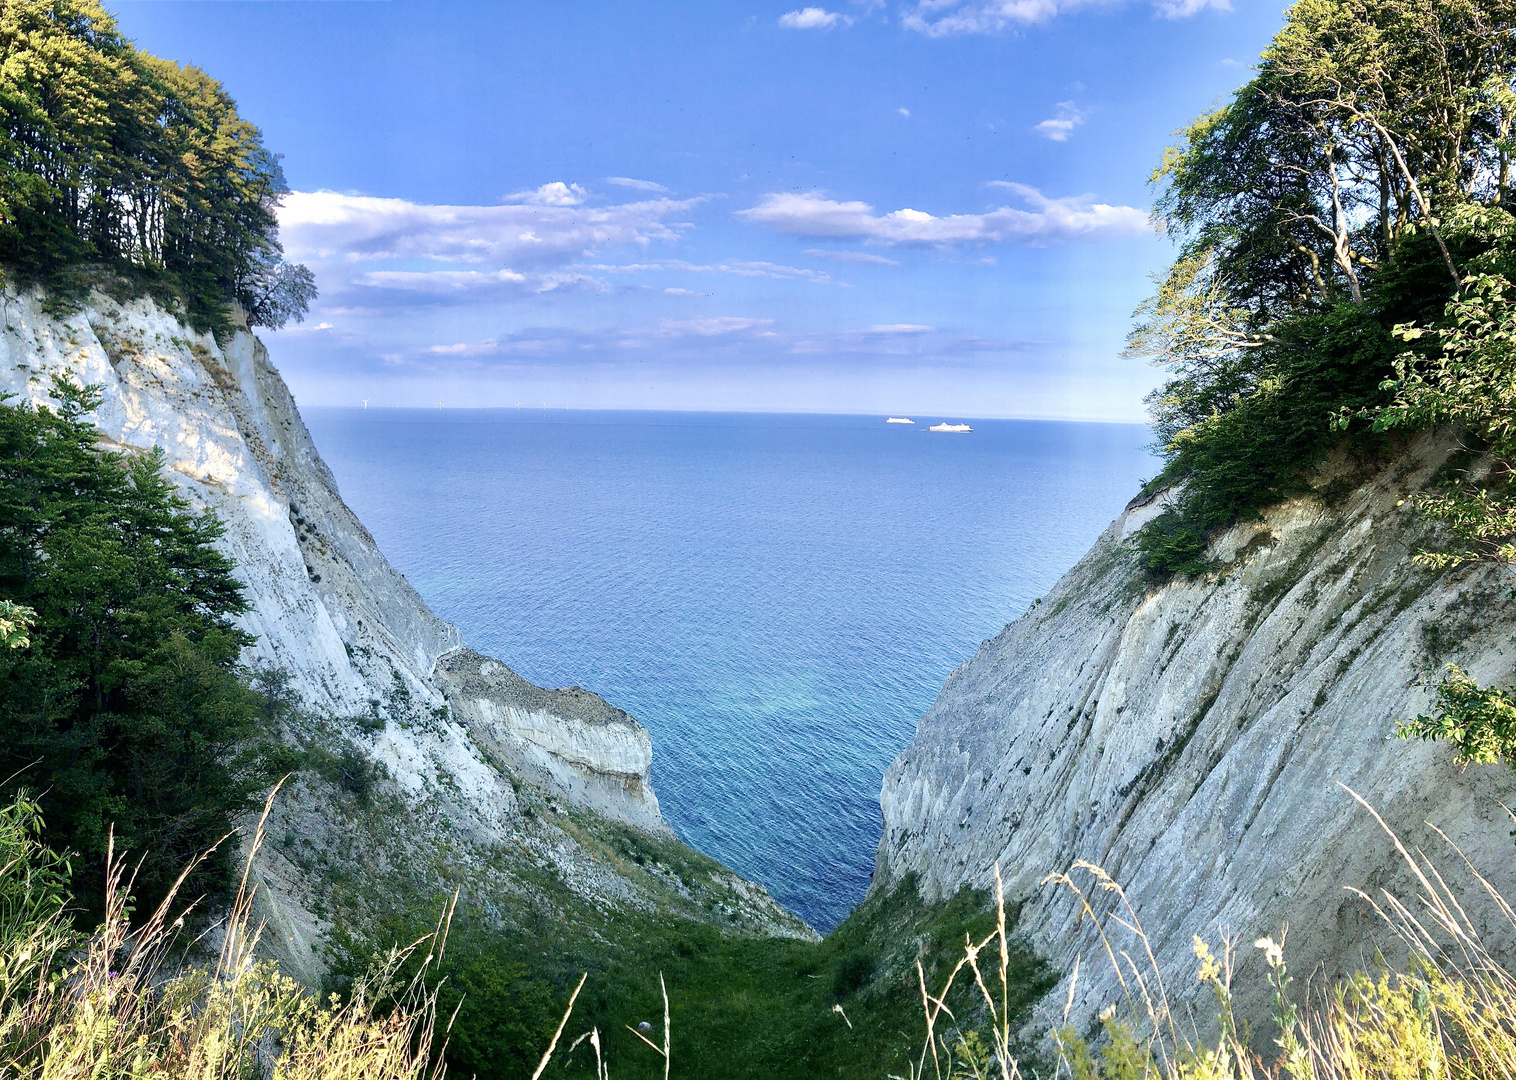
1368, 122
109, 155
1326, 217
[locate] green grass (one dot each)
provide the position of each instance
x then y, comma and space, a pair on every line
739, 1006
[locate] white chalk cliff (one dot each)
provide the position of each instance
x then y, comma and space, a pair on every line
458, 734
1193, 740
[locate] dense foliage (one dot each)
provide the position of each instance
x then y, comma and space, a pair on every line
739, 1007
1348, 189
111, 156
128, 709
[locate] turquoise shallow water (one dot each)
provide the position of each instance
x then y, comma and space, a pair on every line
777, 598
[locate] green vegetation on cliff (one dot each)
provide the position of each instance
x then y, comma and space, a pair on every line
127, 710
1353, 192
849, 1006
111, 156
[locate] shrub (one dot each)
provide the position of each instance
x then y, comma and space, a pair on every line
127, 710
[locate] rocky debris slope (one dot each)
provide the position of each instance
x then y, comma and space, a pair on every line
1194, 740
460, 742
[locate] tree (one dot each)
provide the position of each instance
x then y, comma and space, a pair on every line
278, 292
1348, 188
128, 711
1479, 722
109, 155
1369, 122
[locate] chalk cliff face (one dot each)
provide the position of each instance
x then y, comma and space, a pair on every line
570, 741
464, 742
1193, 740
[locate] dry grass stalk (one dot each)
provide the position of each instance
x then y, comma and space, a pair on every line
1451, 1015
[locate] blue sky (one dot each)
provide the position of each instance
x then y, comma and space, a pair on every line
933, 207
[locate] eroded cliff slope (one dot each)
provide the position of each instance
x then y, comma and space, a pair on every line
1194, 739
432, 766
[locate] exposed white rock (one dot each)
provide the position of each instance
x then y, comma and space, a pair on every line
568, 741
327, 608
1193, 740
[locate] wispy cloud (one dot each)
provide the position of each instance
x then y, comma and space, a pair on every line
484, 347
812, 18
850, 257
552, 229
1048, 220
1058, 127
944, 18
717, 326
475, 283
640, 185
739, 267
731, 335
1183, 9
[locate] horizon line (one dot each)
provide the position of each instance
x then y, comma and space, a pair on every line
728, 412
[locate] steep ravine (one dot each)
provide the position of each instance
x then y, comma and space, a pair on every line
485, 781
1194, 739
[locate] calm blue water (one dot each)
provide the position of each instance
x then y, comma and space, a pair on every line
776, 597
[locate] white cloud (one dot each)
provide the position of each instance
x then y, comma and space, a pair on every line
1058, 127
943, 18
486, 347
327, 225
739, 267
812, 18
903, 111
1183, 9
850, 257
683, 292
717, 326
748, 268
1049, 220
640, 185
903, 339
555, 194
472, 282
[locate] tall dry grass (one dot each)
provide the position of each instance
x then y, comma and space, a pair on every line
1450, 1012
122, 1003
111, 1004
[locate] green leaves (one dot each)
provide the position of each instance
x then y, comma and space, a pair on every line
1479, 722
1324, 212
1468, 380
128, 709
15, 620
110, 155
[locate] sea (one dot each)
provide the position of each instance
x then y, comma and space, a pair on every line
777, 598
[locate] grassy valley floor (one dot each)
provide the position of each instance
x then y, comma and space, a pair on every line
738, 1006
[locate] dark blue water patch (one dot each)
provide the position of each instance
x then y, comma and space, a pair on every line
777, 598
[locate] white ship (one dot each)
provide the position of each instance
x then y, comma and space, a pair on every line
949, 427
899, 420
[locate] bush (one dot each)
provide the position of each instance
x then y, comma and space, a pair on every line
127, 710
1315, 367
